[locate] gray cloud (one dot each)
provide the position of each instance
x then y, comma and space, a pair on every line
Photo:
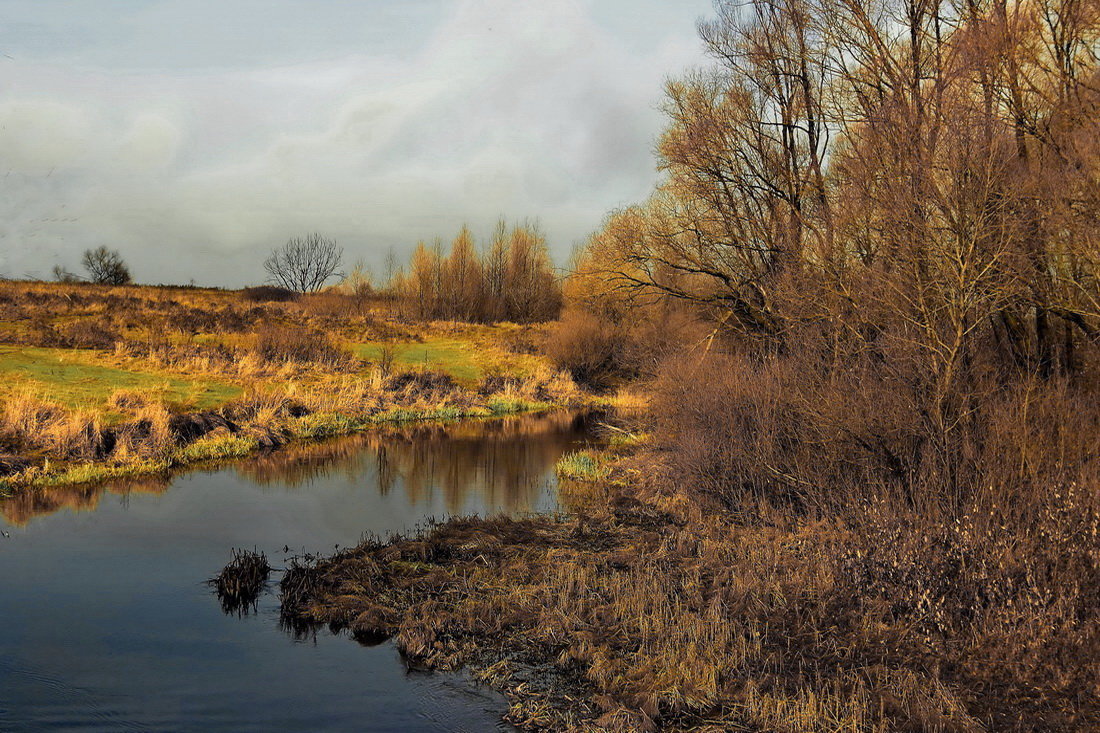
452, 112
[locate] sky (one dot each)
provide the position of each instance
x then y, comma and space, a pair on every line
196, 135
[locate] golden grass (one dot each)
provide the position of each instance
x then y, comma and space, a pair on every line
271, 372
642, 611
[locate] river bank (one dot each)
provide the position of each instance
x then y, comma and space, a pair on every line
644, 608
103, 383
168, 442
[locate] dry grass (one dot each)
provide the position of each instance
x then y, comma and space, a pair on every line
239, 584
135, 375
653, 609
280, 344
629, 621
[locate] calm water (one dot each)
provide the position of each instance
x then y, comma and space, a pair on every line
106, 623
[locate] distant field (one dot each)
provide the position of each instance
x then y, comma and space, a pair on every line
76, 345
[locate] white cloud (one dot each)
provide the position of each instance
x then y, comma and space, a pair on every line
515, 108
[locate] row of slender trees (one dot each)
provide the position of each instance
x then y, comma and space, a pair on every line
512, 279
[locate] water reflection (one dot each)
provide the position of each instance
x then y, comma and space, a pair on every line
20, 509
106, 586
503, 461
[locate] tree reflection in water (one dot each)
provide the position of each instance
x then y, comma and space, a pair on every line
504, 460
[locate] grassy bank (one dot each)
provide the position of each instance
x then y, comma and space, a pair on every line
109, 382
227, 444
641, 610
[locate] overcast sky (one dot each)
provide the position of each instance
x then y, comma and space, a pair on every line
194, 135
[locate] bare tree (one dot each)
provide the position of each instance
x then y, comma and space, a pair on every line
304, 264
105, 266
359, 284
495, 263
463, 278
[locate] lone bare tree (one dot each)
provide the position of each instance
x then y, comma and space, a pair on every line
304, 264
105, 266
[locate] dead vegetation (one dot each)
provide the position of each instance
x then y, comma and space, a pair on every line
870, 498
647, 611
240, 583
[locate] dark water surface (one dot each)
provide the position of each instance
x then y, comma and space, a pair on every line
106, 622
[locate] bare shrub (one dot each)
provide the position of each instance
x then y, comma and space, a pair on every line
282, 344
588, 347
387, 357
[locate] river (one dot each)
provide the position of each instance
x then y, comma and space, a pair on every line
107, 623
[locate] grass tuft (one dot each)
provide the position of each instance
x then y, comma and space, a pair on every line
582, 466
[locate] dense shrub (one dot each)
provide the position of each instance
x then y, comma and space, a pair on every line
974, 553
602, 347
282, 344
591, 349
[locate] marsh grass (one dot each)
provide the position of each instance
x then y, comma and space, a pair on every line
650, 609
240, 583
582, 466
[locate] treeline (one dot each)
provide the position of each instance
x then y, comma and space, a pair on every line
908, 191
512, 279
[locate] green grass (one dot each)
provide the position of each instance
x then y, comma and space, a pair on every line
451, 356
623, 439
218, 447
88, 473
582, 466
70, 377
